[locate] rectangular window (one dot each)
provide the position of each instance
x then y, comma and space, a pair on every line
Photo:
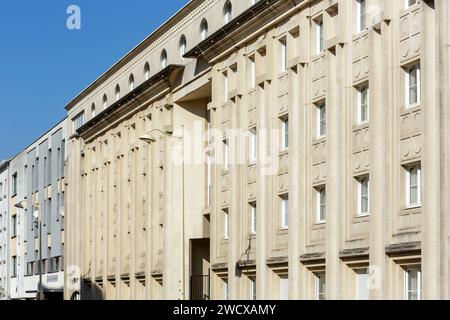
284, 287
321, 204
253, 288
226, 155
413, 186
363, 196
225, 86
363, 105
78, 121
14, 184
362, 285
320, 286
283, 55
413, 88
319, 37
321, 120
225, 289
253, 145
226, 225
53, 265
284, 213
285, 133
14, 267
410, 3
209, 178
30, 269
413, 283
361, 11
253, 219
14, 226
252, 72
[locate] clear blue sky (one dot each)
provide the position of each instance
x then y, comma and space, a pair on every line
43, 65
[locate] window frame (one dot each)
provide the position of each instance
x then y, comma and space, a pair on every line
321, 120
361, 105
284, 133
408, 188
321, 204
407, 288
408, 86
284, 212
360, 181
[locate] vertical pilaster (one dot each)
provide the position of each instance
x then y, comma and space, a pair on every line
431, 230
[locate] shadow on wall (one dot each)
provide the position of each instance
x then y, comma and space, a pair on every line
91, 291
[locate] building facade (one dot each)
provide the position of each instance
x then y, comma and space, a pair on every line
267, 150
36, 221
4, 241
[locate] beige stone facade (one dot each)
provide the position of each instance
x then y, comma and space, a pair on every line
338, 190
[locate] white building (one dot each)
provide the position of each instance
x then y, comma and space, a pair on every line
4, 169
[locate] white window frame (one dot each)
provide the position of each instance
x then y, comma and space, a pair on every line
284, 287
253, 289
285, 213
408, 5
360, 196
252, 60
319, 36
361, 21
283, 54
78, 121
408, 86
364, 276
226, 225
320, 120
253, 145
408, 186
284, 133
225, 86
319, 205
253, 211
419, 281
209, 179
361, 105
226, 149
318, 277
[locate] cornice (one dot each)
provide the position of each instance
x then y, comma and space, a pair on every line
165, 79
251, 20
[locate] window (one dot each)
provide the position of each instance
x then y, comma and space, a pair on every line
226, 146
320, 286
319, 36
410, 3
183, 46
284, 287
105, 101
204, 29
14, 184
163, 59
285, 133
209, 177
413, 94
30, 269
413, 186
252, 74
321, 120
361, 12
131, 82
146, 71
14, 267
283, 55
321, 200
253, 145
117, 92
285, 213
225, 86
253, 217
413, 283
363, 196
363, 105
225, 289
226, 225
93, 110
78, 121
253, 288
227, 12
362, 285
53, 265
